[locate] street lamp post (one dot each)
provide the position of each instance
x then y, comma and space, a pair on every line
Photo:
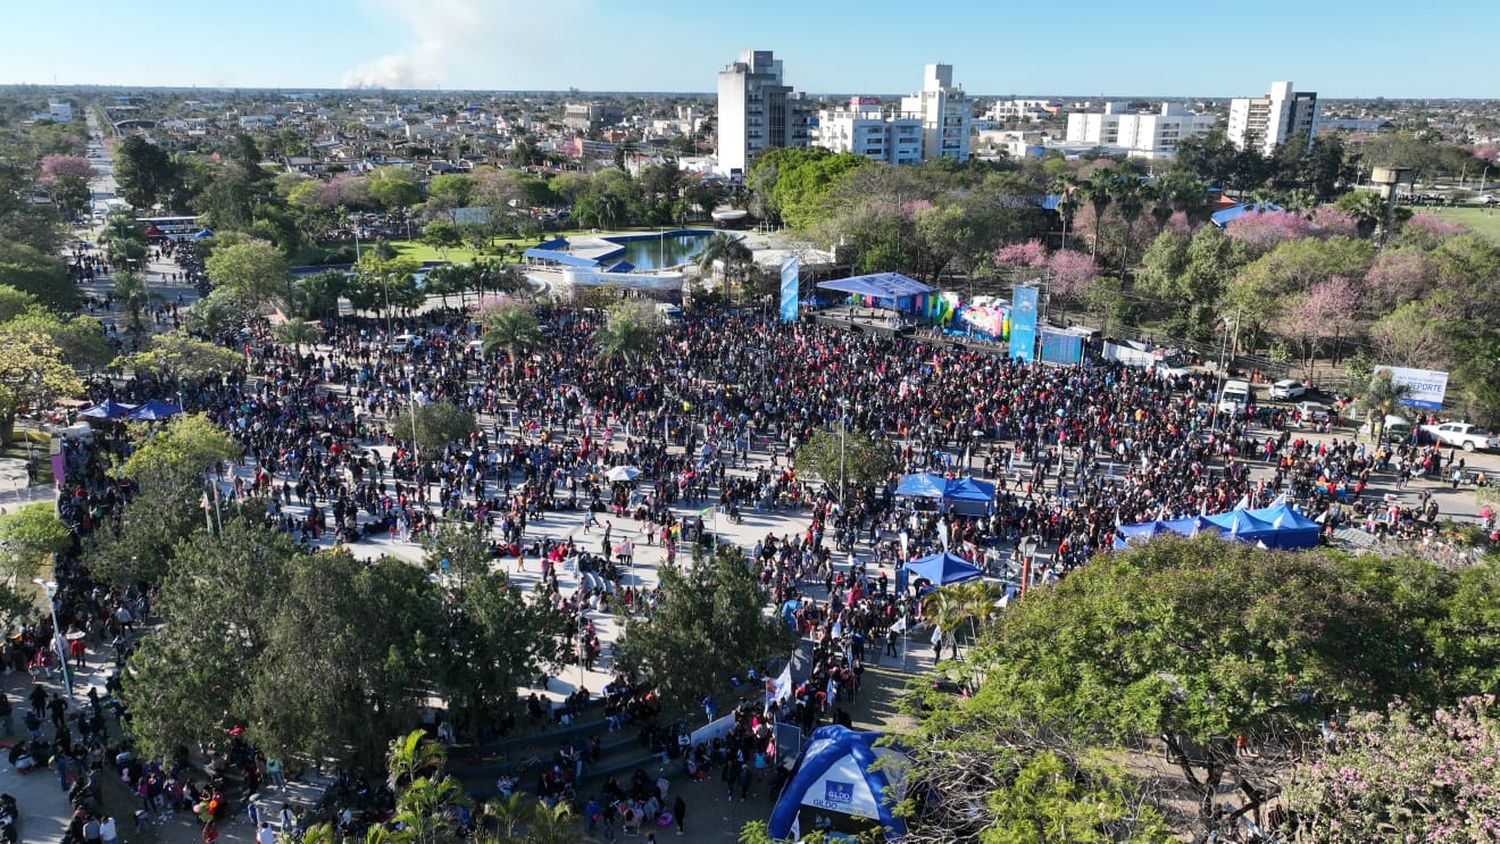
1213, 414
57, 634
843, 437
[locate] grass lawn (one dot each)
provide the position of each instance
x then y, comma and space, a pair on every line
1485, 221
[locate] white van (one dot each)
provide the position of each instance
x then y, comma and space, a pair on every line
1234, 396
402, 342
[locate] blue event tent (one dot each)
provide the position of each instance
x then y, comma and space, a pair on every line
942, 568
968, 496
154, 410
107, 409
923, 485
1277, 526
837, 786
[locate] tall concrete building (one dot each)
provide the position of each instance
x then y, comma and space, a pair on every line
1265, 123
757, 111
864, 129
946, 113
1150, 135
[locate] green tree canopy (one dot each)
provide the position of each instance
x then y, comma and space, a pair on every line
29, 536
708, 627
254, 272
852, 457
436, 424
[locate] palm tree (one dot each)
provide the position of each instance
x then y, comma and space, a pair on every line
1067, 204
412, 756
553, 825
628, 333
513, 812
1300, 200
1381, 398
297, 333
132, 295
728, 250
513, 327
963, 607
1125, 190
1096, 193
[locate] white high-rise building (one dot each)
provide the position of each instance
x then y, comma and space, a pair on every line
946, 113
1152, 135
1265, 123
757, 112
864, 129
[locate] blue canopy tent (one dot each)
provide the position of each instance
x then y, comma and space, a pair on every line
1294, 531
154, 410
942, 568
969, 497
836, 786
1240, 525
923, 485
1127, 534
887, 290
107, 409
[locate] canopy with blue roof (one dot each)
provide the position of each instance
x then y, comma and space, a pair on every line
154, 410
838, 786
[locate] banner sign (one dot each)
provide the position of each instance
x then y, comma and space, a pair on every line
1023, 323
791, 272
1426, 387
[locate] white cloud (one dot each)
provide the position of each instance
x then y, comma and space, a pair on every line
485, 40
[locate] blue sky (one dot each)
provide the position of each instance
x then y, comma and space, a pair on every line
1340, 48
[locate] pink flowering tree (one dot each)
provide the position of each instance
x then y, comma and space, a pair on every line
1429, 231
1328, 221
1028, 255
1325, 313
1400, 776
1399, 276
1261, 231
1069, 273
1488, 153
55, 167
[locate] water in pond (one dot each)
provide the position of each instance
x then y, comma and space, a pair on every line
656, 253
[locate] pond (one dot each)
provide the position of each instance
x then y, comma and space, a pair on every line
651, 252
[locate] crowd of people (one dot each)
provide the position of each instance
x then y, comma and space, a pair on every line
713, 414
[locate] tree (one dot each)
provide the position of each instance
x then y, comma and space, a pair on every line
174, 456
14, 302
1382, 397
628, 333
1096, 192
144, 170
431, 427
33, 375
1192, 641
498, 640
133, 296
261, 634
986, 779
1400, 775
452, 190
395, 188
442, 237
40, 274
1324, 312
792, 182
297, 333
511, 326
847, 458
254, 272
383, 283
29, 536
727, 251
708, 627
80, 338
180, 356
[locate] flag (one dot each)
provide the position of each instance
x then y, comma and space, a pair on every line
943, 533
706, 512
781, 687
900, 625
1280, 500
1244, 502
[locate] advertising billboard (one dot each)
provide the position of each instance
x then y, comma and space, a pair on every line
1023, 323
1426, 387
790, 273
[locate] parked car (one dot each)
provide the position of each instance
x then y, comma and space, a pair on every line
1234, 397
1462, 435
1287, 389
1397, 429
1314, 411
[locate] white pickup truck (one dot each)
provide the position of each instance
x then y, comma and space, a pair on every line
1462, 435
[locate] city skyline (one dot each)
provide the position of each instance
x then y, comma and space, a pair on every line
1340, 49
